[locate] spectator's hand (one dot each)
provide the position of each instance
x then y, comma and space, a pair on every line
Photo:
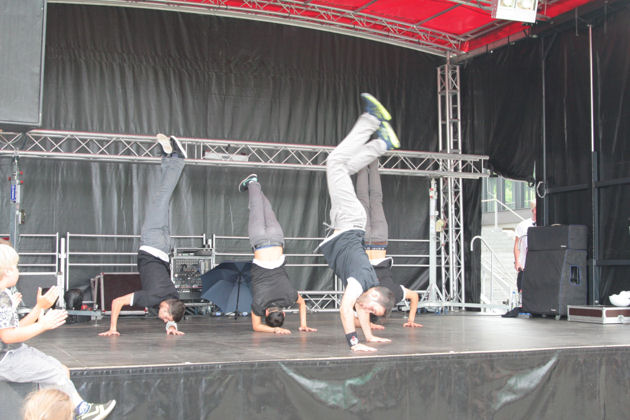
53, 319
109, 333
411, 324
362, 347
17, 297
48, 299
281, 331
307, 329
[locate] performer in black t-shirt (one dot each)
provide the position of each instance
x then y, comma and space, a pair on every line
271, 289
344, 249
155, 245
370, 194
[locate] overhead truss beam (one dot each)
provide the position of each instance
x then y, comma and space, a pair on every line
128, 148
313, 16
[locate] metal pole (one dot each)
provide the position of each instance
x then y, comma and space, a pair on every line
594, 292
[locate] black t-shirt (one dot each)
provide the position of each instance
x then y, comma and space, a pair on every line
271, 287
155, 276
347, 258
384, 274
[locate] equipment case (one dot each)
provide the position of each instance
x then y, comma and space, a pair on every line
598, 314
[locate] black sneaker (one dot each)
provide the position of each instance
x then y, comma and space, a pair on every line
375, 108
165, 143
244, 183
388, 135
512, 313
178, 147
97, 411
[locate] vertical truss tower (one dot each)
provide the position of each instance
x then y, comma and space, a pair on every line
451, 207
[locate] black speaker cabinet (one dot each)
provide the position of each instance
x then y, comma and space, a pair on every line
554, 279
108, 286
553, 238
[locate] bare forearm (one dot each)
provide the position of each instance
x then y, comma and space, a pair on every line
413, 305
364, 321
21, 334
347, 319
116, 308
32, 317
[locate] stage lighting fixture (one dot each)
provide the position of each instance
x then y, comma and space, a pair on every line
519, 10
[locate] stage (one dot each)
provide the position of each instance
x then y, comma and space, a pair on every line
459, 365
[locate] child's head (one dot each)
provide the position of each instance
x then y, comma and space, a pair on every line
48, 404
8, 266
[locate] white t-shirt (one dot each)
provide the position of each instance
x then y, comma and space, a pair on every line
521, 233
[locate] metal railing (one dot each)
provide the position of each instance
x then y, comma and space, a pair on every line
496, 271
317, 300
496, 210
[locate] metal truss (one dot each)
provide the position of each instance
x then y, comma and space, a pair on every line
413, 35
127, 148
451, 190
355, 22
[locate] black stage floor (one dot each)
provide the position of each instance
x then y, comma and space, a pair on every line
143, 342
459, 365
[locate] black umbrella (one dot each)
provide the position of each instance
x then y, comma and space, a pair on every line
228, 285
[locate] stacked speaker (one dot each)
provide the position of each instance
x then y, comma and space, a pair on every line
555, 269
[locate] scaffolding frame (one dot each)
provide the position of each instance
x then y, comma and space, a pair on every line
451, 187
448, 165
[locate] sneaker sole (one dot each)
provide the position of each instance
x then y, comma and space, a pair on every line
180, 147
165, 143
384, 113
391, 136
242, 188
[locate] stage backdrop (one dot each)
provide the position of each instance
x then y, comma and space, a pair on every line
124, 70
503, 107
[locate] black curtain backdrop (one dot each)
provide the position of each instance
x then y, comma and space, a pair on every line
124, 70
503, 103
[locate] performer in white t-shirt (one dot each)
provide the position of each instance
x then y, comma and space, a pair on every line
520, 253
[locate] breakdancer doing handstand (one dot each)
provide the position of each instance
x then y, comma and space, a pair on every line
343, 250
271, 289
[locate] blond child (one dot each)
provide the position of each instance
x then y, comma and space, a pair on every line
22, 363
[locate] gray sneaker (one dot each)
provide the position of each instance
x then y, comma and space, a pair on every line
178, 147
242, 186
97, 411
165, 142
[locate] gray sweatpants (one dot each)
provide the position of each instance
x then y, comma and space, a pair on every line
370, 194
155, 230
349, 157
263, 227
27, 364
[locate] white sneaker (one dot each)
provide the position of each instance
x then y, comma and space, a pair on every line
97, 411
165, 142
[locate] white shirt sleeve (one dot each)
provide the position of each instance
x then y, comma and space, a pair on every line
353, 289
131, 303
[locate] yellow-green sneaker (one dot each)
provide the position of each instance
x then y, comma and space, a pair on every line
375, 108
388, 135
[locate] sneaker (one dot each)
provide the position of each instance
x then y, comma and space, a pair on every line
167, 149
178, 148
375, 108
388, 135
244, 183
512, 313
97, 411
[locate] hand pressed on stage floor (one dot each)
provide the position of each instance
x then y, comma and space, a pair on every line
174, 331
411, 324
376, 326
362, 347
281, 331
307, 329
375, 339
109, 333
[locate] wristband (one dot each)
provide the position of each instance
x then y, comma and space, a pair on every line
352, 338
170, 324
